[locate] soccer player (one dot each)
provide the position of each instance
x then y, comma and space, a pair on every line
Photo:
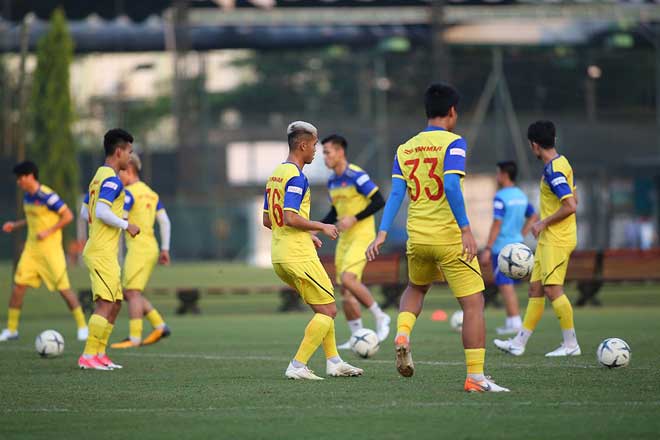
557, 235
355, 200
440, 242
103, 207
513, 217
287, 203
43, 258
143, 207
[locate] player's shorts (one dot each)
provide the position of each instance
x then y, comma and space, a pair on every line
428, 263
138, 267
309, 279
499, 278
551, 264
42, 265
350, 257
105, 275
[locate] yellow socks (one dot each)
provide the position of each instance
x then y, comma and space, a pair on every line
79, 317
315, 332
97, 325
135, 330
564, 312
330, 343
474, 360
12, 319
534, 313
106, 336
155, 319
405, 323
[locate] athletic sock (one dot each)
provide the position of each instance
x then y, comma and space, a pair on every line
515, 322
13, 315
155, 319
533, 315
405, 323
97, 325
103, 342
135, 330
314, 334
376, 310
564, 312
79, 317
330, 343
474, 361
355, 325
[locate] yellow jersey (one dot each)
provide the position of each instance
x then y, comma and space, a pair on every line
350, 194
106, 188
287, 189
422, 162
141, 205
557, 184
42, 211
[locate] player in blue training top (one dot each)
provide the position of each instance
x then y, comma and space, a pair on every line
513, 217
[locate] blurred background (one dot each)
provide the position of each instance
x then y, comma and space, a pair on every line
208, 87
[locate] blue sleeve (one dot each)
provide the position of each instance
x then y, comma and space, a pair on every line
110, 189
129, 201
529, 211
159, 205
53, 202
455, 157
294, 191
558, 183
396, 168
86, 199
265, 200
498, 208
364, 184
455, 198
393, 203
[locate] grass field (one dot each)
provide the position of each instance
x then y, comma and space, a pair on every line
221, 375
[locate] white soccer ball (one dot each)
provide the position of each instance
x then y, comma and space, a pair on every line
516, 261
456, 321
613, 353
364, 343
49, 344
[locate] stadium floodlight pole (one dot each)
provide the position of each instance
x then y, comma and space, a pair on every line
439, 48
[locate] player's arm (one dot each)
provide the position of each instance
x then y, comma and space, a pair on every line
265, 217
559, 186
111, 189
55, 204
369, 189
294, 192
331, 217
12, 226
531, 217
392, 207
165, 230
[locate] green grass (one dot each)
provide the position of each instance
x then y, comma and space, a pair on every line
221, 375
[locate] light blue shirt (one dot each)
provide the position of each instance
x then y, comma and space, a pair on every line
512, 208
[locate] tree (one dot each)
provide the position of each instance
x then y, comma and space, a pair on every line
52, 146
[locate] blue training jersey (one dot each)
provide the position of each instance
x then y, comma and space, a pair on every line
512, 208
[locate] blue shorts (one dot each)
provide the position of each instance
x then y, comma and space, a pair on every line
499, 278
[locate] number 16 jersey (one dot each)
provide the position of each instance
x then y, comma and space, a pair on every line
422, 162
287, 189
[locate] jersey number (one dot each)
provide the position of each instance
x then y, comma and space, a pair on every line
90, 206
275, 196
433, 162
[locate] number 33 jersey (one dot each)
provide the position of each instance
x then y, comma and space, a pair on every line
422, 162
287, 189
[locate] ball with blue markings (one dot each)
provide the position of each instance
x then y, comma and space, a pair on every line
49, 343
614, 353
515, 261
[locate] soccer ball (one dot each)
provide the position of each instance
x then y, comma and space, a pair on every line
516, 261
49, 343
456, 320
613, 353
364, 343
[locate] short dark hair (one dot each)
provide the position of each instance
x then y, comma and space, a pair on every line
296, 137
336, 139
26, 168
510, 168
439, 98
543, 133
114, 138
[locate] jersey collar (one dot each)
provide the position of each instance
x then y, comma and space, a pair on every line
434, 128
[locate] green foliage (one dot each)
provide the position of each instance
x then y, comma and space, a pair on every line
52, 146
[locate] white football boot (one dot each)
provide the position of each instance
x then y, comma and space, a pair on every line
300, 373
565, 351
83, 333
483, 386
383, 327
509, 347
342, 369
6, 335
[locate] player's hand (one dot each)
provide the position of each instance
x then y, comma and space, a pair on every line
485, 256
317, 241
43, 234
346, 223
537, 228
164, 258
374, 248
133, 230
8, 227
331, 231
469, 244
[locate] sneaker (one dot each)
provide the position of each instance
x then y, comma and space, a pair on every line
7, 335
565, 351
126, 343
483, 386
300, 373
345, 346
383, 327
507, 330
91, 363
83, 332
342, 369
404, 362
508, 346
105, 360
156, 335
